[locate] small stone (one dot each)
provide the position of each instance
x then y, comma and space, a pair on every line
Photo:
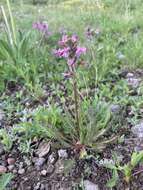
11, 161
27, 161
26, 179
42, 187
10, 167
40, 162
50, 169
2, 115
44, 172
14, 171
37, 187
115, 108
138, 130
3, 157
21, 171
62, 153
52, 158
59, 167
130, 75
20, 165
120, 56
88, 185
133, 82
43, 149
2, 169
1, 149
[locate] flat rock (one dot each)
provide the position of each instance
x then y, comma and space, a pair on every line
40, 161
43, 149
88, 185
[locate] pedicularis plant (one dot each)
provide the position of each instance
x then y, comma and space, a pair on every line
85, 128
91, 119
71, 51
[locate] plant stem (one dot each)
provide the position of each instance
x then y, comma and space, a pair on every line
7, 25
76, 101
12, 21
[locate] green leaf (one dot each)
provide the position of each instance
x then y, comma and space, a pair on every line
113, 181
136, 158
6, 139
127, 168
4, 180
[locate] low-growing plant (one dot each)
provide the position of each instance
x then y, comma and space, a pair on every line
5, 180
126, 169
6, 139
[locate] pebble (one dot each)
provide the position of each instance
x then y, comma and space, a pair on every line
62, 153
10, 167
44, 172
2, 115
21, 164
120, 56
21, 171
130, 75
42, 187
3, 157
37, 187
52, 158
115, 108
138, 130
43, 149
1, 149
59, 167
50, 169
40, 162
2, 169
11, 161
88, 185
27, 161
14, 171
133, 82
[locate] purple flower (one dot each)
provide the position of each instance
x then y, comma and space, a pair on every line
41, 27
62, 52
80, 51
44, 27
70, 50
74, 38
